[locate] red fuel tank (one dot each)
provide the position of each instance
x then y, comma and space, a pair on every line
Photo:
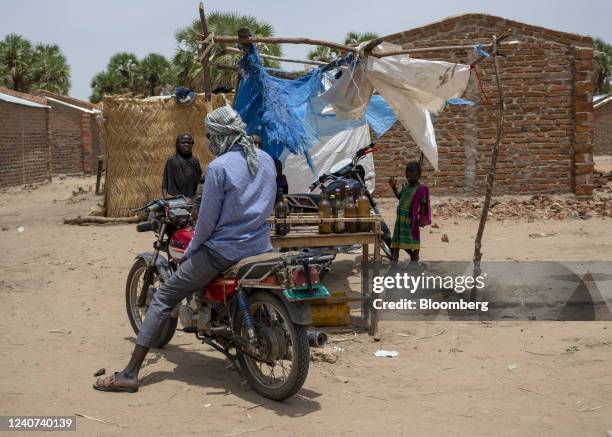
179, 242
221, 288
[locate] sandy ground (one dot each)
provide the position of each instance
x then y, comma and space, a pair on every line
62, 298
603, 163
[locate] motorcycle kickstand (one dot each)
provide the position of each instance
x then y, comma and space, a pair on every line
233, 359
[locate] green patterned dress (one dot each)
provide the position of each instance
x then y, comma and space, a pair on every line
402, 233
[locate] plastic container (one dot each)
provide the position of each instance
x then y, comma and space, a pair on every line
330, 314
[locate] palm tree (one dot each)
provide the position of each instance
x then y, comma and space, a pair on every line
326, 54
121, 76
154, 72
603, 67
186, 58
323, 54
356, 38
105, 83
125, 67
5, 75
15, 56
49, 69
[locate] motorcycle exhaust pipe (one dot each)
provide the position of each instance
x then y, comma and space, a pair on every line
317, 338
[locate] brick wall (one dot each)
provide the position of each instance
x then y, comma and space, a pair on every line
547, 147
66, 123
66, 147
603, 130
24, 146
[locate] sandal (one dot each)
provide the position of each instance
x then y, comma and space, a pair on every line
111, 385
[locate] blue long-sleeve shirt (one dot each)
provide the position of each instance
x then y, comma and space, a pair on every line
235, 207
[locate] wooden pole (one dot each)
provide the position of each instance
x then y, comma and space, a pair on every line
238, 80
438, 49
345, 48
276, 58
99, 176
204, 57
491, 174
273, 40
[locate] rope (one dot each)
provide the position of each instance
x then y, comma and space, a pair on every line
210, 42
480, 85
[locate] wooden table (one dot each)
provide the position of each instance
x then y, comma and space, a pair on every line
304, 235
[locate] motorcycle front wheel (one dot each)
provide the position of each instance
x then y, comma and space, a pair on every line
284, 344
136, 314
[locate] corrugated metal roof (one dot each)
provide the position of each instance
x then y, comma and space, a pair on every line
18, 101
70, 105
604, 100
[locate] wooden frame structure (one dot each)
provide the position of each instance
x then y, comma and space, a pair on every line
245, 40
308, 236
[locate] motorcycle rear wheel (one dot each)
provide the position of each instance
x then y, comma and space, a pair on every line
297, 350
135, 313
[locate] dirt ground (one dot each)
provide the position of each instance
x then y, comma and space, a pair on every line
603, 163
62, 299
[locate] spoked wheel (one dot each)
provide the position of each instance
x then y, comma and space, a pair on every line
284, 352
136, 314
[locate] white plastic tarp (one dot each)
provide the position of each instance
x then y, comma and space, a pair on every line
350, 95
414, 88
330, 150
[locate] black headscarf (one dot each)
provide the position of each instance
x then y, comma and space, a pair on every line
182, 172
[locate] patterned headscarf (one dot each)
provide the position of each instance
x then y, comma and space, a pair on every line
226, 128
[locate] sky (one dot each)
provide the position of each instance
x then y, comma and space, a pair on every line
89, 32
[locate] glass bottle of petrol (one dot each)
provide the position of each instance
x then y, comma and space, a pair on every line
325, 211
281, 213
288, 225
338, 213
363, 210
350, 210
334, 211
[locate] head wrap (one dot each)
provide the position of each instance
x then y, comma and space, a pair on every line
226, 129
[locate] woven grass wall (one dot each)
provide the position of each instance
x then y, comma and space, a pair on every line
140, 136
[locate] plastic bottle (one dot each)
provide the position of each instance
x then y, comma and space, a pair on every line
325, 211
363, 211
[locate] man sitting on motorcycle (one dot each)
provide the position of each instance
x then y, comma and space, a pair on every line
238, 197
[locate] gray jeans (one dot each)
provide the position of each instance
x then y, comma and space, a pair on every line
192, 275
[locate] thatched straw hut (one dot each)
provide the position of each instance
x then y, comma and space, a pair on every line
140, 137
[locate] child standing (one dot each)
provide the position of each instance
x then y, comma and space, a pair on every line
413, 211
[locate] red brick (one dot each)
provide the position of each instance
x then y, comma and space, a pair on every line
546, 82
24, 146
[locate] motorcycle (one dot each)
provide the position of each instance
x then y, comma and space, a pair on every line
346, 172
255, 313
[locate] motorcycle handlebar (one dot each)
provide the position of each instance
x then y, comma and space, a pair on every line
365, 150
319, 181
359, 154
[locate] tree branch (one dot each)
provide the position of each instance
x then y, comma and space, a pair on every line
491, 174
203, 54
277, 58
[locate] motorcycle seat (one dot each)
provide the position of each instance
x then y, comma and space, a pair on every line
239, 269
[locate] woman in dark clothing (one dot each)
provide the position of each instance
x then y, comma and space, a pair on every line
182, 173
281, 179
